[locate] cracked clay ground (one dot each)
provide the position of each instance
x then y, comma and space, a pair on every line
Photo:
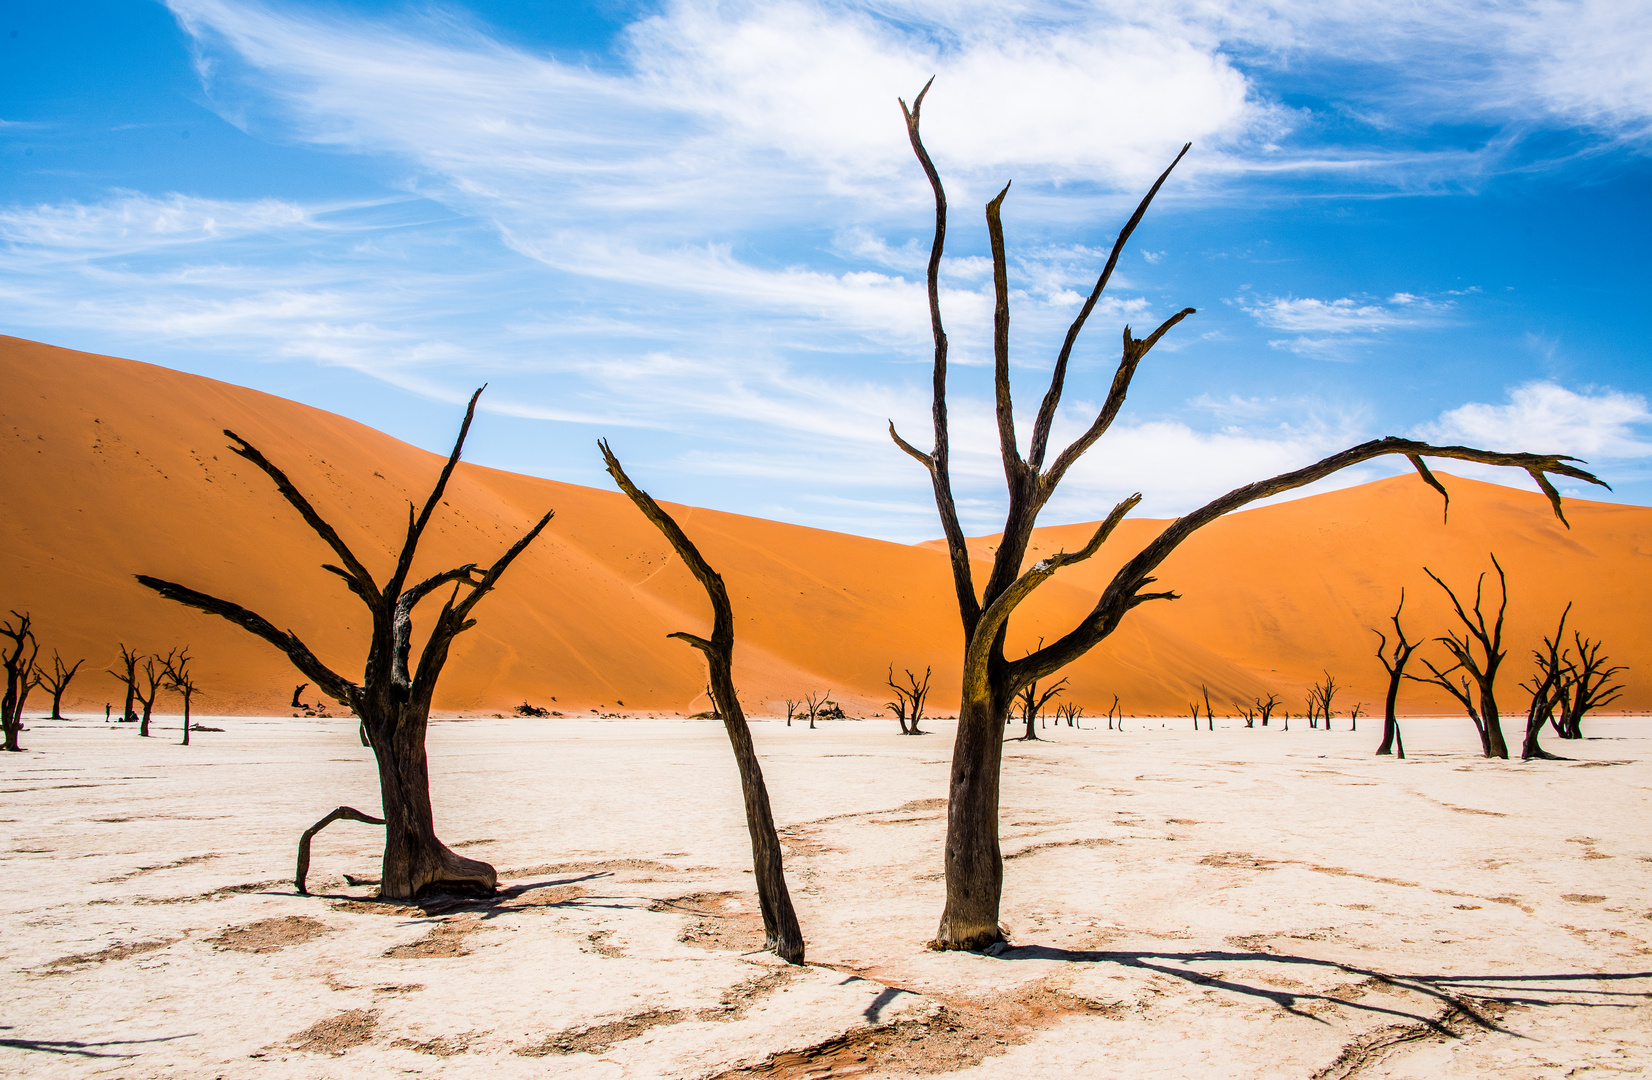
1216, 904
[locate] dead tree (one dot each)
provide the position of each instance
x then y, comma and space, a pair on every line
791, 710
393, 698
297, 691
991, 681
153, 676
1395, 666
780, 930
18, 657
1032, 702
56, 681
1482, 668
1114, 712
1210, 717
1354, 715
909, 699
1320, 697
1265, 709
814, 702
1070, 713
129, 676
1589, 687
180, 682
1548, 690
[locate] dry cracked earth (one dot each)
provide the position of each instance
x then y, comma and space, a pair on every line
1238, 903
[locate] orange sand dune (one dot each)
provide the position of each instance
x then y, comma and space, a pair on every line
110, 467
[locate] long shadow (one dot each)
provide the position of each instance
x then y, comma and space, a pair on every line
1432, 986
81, 1049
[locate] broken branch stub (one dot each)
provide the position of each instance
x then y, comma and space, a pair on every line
347, 812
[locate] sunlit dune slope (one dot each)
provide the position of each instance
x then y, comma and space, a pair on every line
109, 468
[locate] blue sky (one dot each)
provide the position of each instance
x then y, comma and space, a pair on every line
695, 228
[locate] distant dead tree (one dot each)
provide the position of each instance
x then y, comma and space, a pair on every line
178, 680
1264, 709
1393, 663
1319, 699
56, 681
780, 929
1114, 713
1588, 686
153, 676
1193, 706
128, 675
791, 710
1210, 716
815, 702
1070, 713
1249, 713
990, 680
1031, 702
18, 658
297, 692
393, 699
1354, 714
1481, 667
909, 700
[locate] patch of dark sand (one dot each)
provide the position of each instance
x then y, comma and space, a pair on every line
445, 939
337, 1033
269, 935
598, 1038
120, 950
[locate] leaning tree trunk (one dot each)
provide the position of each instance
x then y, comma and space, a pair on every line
974, 862
414, 858
1390, 721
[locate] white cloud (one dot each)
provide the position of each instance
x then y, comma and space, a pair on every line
132, 221
1328, 328
1545, 418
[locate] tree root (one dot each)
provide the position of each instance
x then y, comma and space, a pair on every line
303, 870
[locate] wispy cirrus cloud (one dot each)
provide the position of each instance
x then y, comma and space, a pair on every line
1331, 329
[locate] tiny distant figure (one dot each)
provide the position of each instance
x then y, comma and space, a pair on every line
108, 707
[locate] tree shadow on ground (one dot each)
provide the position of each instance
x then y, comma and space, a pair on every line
1460, 994
81, 1049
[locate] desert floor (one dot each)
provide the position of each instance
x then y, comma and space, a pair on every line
1237, 903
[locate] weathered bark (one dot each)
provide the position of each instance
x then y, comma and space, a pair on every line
302, 873
1482, 668
392, 701
18, 659
781, 932
990, 680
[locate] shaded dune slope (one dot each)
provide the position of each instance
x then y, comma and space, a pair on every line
111, 467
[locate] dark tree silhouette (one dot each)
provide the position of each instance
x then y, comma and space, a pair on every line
780, 930
153, 676
56, 681
991, 681
1589, 686
1320, 697
1548, 690
129, 677
909, 699
1394, 664
1031, 702
1481, 668
178, 680
393, 699
21, 675
815, 701
1265, 709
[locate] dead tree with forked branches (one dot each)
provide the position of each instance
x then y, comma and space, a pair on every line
1548, 690
991, 681
21, 674
1031, 702
1481, 667
1588, 686
1265, 708
393, 698
153, 676
1393, 663
56, 681
181, 682
780, 930
908, 706
128, 676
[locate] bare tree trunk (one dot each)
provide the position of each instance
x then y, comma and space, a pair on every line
415, 859
974, 861
780, 928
